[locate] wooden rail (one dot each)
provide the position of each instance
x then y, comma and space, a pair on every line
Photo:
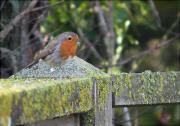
30, 101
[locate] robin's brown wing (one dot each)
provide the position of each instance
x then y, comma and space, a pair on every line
42, 54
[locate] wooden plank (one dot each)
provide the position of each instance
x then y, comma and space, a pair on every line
147, 88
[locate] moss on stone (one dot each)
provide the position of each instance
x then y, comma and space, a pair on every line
73, 68
5, 109
128, 83
43, 94
45, 98
147, 87
68, 89
103, 87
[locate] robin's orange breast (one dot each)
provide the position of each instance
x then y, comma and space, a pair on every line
68, 49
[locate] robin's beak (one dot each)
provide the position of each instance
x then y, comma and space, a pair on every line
78, 43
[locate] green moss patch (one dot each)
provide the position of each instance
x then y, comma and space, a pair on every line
44, 98
147, 88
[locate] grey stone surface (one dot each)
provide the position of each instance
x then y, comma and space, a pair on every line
75, 67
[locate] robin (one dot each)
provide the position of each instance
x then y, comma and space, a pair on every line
59, 49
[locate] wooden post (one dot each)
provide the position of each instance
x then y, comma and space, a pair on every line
103, 112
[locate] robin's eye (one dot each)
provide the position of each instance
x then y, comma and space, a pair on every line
69, 38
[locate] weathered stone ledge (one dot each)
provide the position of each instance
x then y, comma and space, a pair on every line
147, 88
29, 100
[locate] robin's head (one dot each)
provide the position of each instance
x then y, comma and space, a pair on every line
67, 43
68, 37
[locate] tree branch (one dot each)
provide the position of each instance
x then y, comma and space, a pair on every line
162, 44
107, 29
102, 21
112, 37
14, 21
47, 6
89, 44
155, 12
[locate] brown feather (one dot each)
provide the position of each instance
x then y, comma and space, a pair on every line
42, 54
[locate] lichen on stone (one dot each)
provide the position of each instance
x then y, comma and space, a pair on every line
147, 88
39, 93
73, 68
44, 98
